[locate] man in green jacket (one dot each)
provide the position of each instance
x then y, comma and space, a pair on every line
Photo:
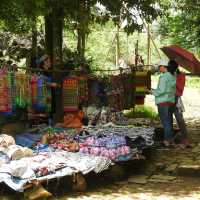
165, 99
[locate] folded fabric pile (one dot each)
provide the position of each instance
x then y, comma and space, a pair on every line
27, 139
111, 147
15, 152
139, 137
47, 163
10, 151
61, 141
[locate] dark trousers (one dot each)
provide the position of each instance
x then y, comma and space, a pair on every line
166, 117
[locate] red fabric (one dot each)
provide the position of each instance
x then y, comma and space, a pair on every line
180, 84
183, 57
166, 104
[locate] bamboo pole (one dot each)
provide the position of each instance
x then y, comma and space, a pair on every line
117, 48
151, 38
148, 45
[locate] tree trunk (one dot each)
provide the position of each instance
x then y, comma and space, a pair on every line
81, 43
117, 48
83, 38
49, 35
83, 20
57, 22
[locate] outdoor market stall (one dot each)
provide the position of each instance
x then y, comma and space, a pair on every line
46, 152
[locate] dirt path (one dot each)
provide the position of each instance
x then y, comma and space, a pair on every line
191, 100
183, 189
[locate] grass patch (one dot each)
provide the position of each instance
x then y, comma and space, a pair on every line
192, 82
141, 112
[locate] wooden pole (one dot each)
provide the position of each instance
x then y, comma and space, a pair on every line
117, 48
148, 45
151, 38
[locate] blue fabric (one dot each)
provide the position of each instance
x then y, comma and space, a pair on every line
43, 148
27, 139
122, 158
41, 99
23, 141
165, 114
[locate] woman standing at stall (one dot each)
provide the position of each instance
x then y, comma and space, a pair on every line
179, 108
165, 99
40, 110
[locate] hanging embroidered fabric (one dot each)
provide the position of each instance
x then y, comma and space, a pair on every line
5, 91
128, 84
12, 91
34, 80
82, 89
41, 93
115, 95
23, 90
142, 83
70, 94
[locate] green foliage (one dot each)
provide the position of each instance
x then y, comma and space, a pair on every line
129, 10
141, 112
181, 26
192, 82
101, 45
13, 17
17, 16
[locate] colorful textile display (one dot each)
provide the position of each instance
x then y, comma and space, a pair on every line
22, 90
108, 146
75, 92
133, 133
82, 89
5, 91
19, 90
142, 83
116, 93
41, 93
61, 141
70, 94
128, 95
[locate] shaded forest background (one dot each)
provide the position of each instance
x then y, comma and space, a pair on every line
84, 31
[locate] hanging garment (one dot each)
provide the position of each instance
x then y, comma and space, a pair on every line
128, 84
23, 90
70, 94
34, 80
82, 89
141, 85
5, 97
116, 93
41, 93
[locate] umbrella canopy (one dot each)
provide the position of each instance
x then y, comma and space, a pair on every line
183, 57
